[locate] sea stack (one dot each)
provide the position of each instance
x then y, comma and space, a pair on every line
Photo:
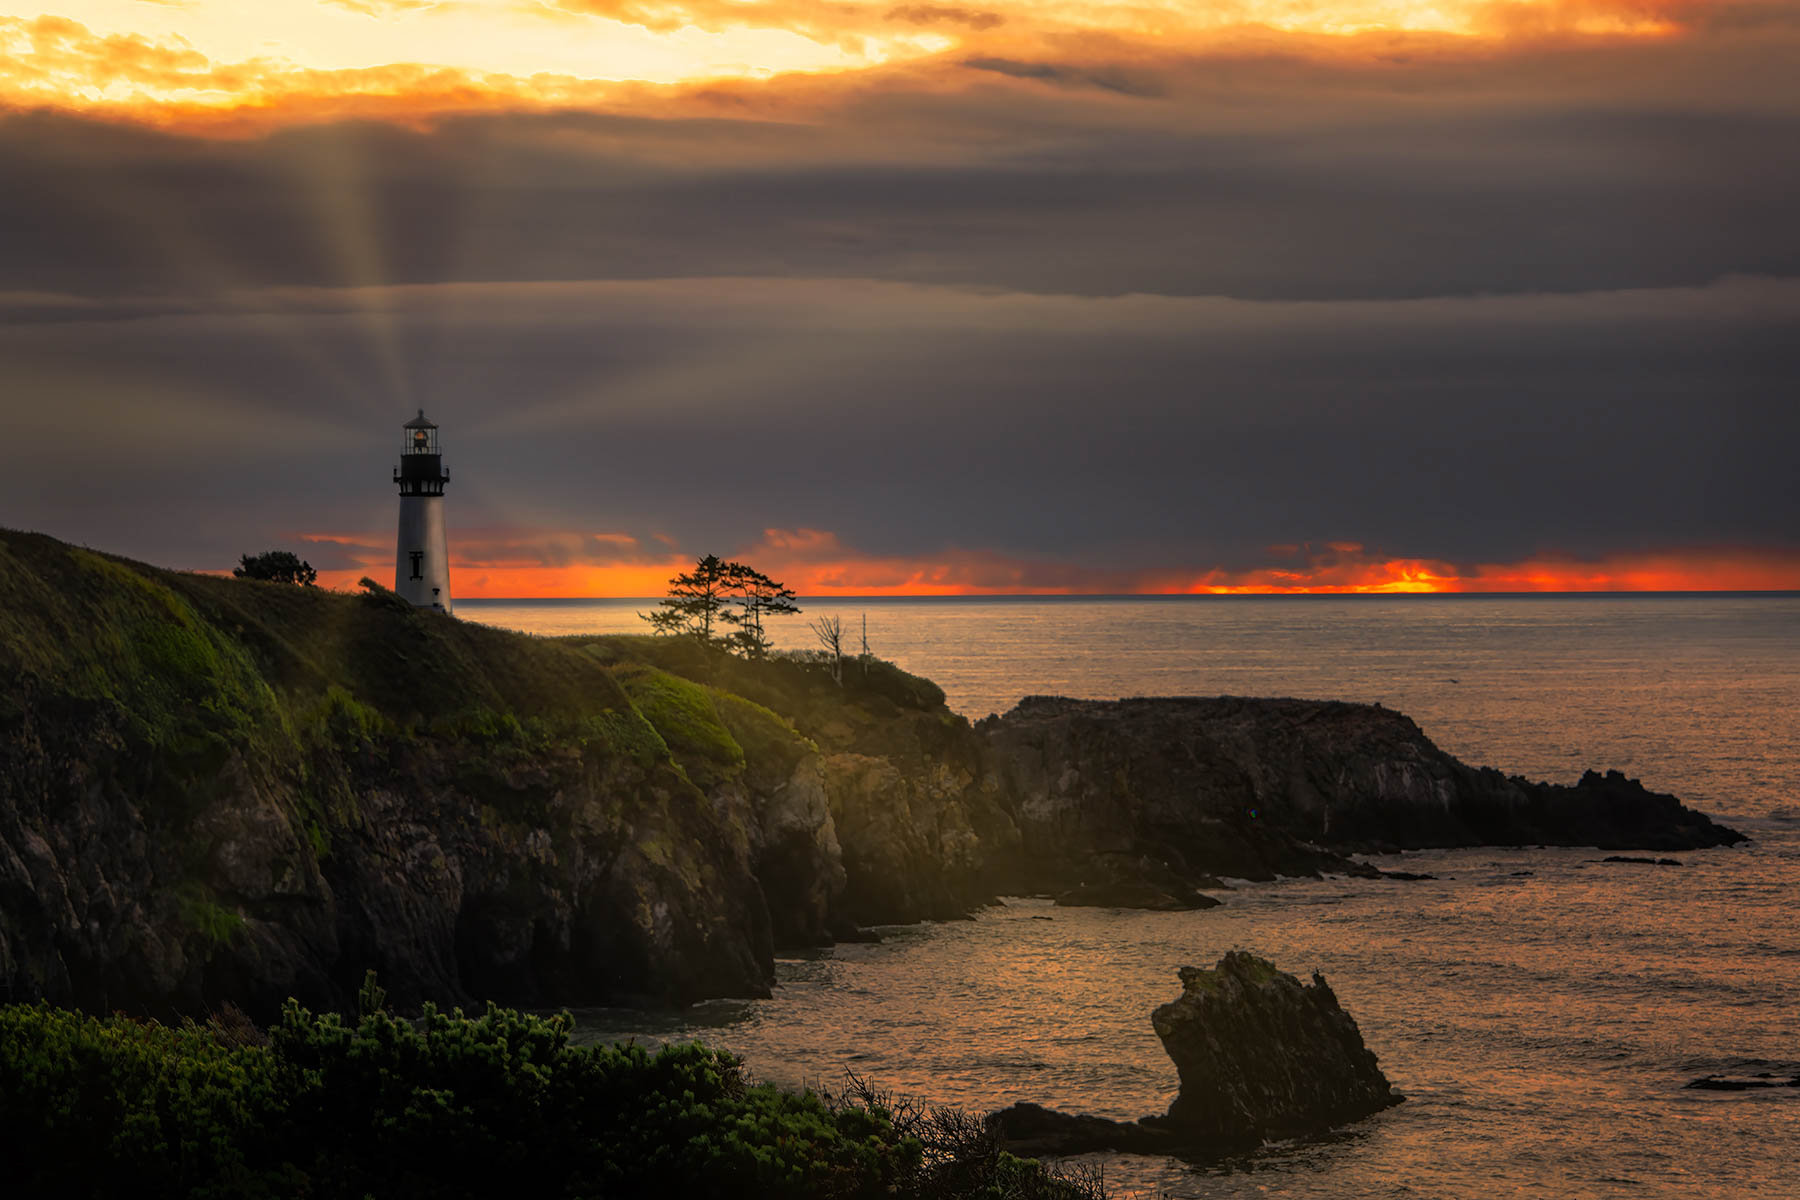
1263, 1056
422, 553
1260, 1055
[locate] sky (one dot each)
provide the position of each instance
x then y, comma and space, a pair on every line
913, 298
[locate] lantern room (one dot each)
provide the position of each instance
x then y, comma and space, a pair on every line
421, 471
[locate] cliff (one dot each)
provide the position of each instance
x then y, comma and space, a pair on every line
1188, 788
213, 790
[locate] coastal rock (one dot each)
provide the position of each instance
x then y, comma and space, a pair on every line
213, 790
1648, 862
1744, 1083
1260, 1056
911, 853
1227, 786
1035, 1131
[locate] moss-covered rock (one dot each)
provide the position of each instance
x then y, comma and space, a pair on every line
216, 789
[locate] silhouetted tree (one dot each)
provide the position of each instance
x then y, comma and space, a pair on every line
830, 632
718, 593
277, 566
696, 602
757, 596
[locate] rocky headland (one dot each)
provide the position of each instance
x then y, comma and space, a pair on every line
214, 790
1260, 1056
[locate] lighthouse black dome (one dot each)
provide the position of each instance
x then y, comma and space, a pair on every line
421, 471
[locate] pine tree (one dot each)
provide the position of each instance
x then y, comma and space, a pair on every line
697, 602
757, 597
717, 593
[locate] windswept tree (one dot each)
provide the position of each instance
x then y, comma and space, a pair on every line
277, 566
716, 594
696, 603
757, 596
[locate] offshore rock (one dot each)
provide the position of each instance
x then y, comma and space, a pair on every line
1744, 1083
1260, 1056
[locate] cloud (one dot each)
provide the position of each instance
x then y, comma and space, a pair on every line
1261, 177
1110, 79
1035, 310
945, 437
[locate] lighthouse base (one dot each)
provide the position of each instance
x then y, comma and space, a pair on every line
422, 554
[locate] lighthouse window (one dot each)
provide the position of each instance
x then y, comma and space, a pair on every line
420, 441
418, 563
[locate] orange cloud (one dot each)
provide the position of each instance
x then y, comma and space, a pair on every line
512, 564
192, 70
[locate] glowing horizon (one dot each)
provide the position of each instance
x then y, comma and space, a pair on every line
816, 565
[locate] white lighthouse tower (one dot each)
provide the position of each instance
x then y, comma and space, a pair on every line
422, 556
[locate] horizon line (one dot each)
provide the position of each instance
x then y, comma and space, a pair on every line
1270, 595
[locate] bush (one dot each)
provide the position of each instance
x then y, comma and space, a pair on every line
451, 1106
276, 566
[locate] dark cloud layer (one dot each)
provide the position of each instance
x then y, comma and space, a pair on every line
1122, 312
1122, 432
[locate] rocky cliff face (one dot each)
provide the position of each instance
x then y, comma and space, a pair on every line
1190, 788
212, 790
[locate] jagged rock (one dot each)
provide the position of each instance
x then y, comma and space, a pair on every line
1033, 1130
1259, 1055
1192, 787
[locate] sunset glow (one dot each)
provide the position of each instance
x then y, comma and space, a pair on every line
814, 563
168, 61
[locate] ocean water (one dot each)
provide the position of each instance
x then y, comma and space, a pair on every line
1541, 1009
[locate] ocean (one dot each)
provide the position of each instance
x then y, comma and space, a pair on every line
1541, 1009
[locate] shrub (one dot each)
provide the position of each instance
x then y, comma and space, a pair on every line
451, 1106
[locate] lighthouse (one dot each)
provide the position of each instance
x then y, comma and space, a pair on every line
422, 555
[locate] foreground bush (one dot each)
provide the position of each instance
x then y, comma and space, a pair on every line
451, 1106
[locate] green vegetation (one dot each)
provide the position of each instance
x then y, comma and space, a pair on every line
453, 1106
798, 689
214, 922
682, 713
291, 680
277, 566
